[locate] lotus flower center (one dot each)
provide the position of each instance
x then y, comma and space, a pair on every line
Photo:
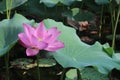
40, 39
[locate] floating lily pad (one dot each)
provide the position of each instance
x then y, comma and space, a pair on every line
46, 62
23, 63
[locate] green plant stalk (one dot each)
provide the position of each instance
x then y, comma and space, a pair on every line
112, 17
38, 69
63, 11
45, 9
83, 2
63, 74
8, 8
101, 19
115, 27
79, 75
8, 12
7, 66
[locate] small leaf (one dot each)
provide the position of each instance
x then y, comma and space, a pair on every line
109, 50
71, 74
75, 11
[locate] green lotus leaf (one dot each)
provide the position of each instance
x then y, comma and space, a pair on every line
9, 29
78, 54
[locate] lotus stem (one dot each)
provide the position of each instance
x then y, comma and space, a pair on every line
101, 20
115, 28
8, 8
8, 12
79, 75
38, 69
63, 74
7, 66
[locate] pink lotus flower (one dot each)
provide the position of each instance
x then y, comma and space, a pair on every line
35, 39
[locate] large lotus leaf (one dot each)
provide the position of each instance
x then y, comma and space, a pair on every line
51, 3
15, 3
78, 54
9, 29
